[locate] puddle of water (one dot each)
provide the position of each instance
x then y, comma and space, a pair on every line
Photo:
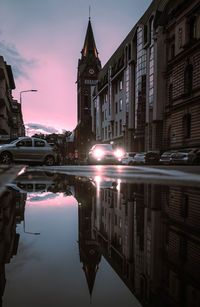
70, 240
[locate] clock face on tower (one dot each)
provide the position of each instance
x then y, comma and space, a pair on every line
91, 71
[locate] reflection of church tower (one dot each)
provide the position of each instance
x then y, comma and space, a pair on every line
88, 68
88, 247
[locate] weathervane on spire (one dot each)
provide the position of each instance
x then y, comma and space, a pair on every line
89, 11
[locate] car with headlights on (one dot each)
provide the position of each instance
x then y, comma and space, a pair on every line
28, 149
105, 154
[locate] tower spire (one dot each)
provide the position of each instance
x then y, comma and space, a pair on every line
89, 47
89, 12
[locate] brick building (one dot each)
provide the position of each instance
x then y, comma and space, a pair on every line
181, 23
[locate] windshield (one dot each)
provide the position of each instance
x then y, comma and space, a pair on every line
13, 142
104, 146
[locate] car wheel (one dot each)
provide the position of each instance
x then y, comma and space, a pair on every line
49, 161
6, 158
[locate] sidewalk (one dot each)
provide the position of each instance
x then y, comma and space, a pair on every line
8, 173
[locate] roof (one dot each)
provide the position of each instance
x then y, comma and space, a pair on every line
89, 44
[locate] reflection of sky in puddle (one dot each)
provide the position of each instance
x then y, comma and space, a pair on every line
50, 199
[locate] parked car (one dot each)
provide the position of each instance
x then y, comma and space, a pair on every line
33, 182
128, 158
166, 157
28, 149
139, 158
152, 157
105, 154
185, 156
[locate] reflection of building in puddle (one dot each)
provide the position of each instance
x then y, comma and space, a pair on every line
181, 245
12, 205
150, 236
90, 255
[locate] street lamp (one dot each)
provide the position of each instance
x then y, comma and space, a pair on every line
20, 97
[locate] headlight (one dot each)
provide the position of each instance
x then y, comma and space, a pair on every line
119, 153
98, 153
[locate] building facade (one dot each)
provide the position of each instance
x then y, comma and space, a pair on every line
11, 120
148, 92
182, 108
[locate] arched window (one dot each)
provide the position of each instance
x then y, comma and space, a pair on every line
187, 125
188, 79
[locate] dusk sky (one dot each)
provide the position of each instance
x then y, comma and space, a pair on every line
42, 41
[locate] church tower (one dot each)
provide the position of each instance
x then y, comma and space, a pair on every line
89, 66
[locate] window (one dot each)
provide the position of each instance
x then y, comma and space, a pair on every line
39, 143
187, 125
102, 133
105, 114
180, 37
151, 30
129, 51
116, 107
192, 28
116, 87
170, 93
106, 98
25, 143
116, 128
145, 34
120, 105
172, 50
120, 126
106, 133
86, 102
188, 79
120, 85
184, 206
183, 248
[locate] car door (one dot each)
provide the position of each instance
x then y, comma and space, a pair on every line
24, 150
40, 149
